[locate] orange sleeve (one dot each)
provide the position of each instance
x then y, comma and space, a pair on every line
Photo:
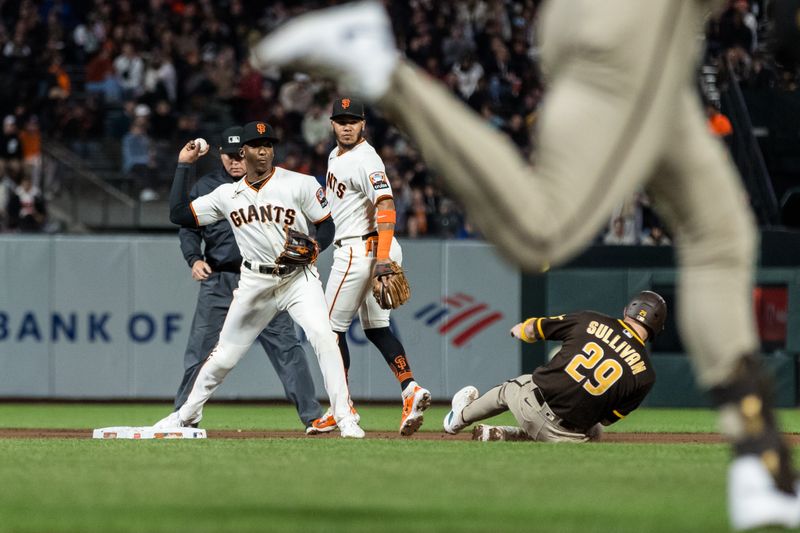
385, 216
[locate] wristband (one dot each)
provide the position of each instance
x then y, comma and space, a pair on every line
522, 335
387, 216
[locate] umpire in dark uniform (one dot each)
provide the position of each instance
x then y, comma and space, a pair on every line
217, 270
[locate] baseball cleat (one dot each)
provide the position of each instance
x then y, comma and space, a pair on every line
415, 401
349, 429
353, 43
485, 433
323, 424
326, 423
453, 421
753, 499
173, 420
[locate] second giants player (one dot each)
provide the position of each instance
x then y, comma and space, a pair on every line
363, 210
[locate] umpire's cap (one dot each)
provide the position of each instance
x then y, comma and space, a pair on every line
231, 140
347, 107
650, 310
254, 131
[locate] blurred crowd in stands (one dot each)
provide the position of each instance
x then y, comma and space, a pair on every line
130, 81
737, 46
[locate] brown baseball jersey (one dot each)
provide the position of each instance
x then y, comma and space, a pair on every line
602, 372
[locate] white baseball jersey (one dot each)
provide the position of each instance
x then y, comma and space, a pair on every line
258, 214
356, 182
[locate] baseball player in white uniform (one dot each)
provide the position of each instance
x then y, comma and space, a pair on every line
363, 210
261, 207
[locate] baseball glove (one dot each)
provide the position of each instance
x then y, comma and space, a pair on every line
299, 249
390, 286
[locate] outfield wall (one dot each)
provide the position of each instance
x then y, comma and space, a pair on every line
108, 317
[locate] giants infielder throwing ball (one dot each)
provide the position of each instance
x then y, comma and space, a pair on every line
363, 210
216, 263
264, 208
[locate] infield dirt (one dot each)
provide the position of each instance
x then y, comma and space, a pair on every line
656, 438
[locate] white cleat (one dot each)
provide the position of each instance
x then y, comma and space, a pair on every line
353, 43
173, 420
349, 429
753, 499
326, 423
453, 421
415, 401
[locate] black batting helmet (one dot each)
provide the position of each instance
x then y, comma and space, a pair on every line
650, 310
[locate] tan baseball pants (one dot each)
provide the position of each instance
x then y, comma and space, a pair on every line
621, 113
516, 395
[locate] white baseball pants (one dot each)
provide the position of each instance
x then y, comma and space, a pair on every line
349, 287
256, 301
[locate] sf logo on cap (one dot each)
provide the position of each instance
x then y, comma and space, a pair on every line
345, 103
261, 128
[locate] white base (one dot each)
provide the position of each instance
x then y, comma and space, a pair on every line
128, 432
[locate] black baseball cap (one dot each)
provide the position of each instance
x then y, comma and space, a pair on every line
348, 107
231, 140
254, 131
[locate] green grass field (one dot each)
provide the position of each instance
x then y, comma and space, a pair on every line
308, 484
